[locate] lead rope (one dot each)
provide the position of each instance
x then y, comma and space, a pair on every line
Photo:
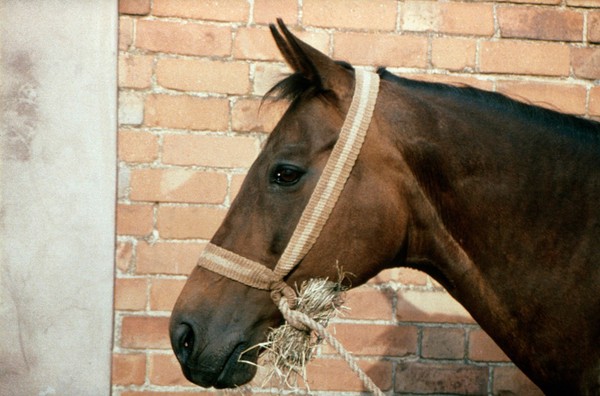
302, 321
313, 219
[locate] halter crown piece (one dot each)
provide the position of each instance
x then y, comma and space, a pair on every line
319, 207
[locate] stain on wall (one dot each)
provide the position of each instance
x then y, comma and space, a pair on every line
19, 104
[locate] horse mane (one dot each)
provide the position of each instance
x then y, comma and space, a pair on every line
296, 87
562, 123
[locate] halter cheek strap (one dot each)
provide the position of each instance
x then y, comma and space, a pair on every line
319, 207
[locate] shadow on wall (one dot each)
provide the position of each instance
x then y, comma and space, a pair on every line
407, 333
415, 340
452, 355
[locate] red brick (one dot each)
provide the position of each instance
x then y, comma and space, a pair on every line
510, 56
266, 75
167, 258
540, 23
441, 378
511, 381
203, 75
123, 255
178, 185
142, 332
134, 7
218, 151
212, 10
236, 184
248, 115
453, 53
561, 97
350, 14
536, 2
593, 25
131, 294
135, 71
267, 11
452, 18
128, 369
369, 339
134, 219
443, 343
381, 49
368, 303
594, 105
436, 285
165, 370
164, 293
189, 222
420, 16
195, 392
430, 306
467, 18
255, 44
583, 3
183, 38
130, 108
335, 375
186, 112
406, 276
586, 62
125, 33
137, 146
318, 40
483, 348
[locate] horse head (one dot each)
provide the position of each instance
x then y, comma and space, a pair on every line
216, 319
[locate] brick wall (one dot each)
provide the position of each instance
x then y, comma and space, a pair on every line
191, 76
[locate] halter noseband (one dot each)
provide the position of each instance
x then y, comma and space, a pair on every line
319, 207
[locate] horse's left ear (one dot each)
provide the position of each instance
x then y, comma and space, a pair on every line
315, 66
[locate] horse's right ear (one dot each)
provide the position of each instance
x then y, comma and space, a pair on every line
312, 64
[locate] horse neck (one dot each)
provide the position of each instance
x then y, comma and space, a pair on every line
500, 194
492, 176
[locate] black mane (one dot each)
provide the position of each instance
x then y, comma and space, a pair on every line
291, 88
296, 87
551, 119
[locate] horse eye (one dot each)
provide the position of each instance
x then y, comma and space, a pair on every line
286, 175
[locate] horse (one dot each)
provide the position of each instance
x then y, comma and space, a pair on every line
495, 199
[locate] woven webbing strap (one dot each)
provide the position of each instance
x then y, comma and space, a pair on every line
236, 267
321, 203
313, 219
336, 172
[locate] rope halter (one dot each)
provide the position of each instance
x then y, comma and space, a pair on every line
317, 211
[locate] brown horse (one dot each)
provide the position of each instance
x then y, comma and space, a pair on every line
497, 200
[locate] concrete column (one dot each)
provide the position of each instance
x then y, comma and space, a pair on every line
58, 95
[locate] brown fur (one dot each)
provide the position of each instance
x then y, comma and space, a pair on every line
498, 203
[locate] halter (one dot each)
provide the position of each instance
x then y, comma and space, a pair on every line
319, 207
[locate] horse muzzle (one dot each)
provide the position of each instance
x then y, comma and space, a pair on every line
225, 362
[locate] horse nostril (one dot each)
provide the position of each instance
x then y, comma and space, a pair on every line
188, 341
185, 339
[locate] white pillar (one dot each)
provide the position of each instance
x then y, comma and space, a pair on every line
58, 123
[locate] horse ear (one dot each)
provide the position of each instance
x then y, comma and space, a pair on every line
315, 66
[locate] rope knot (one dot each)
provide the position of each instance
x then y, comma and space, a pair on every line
280, 289
286, 300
